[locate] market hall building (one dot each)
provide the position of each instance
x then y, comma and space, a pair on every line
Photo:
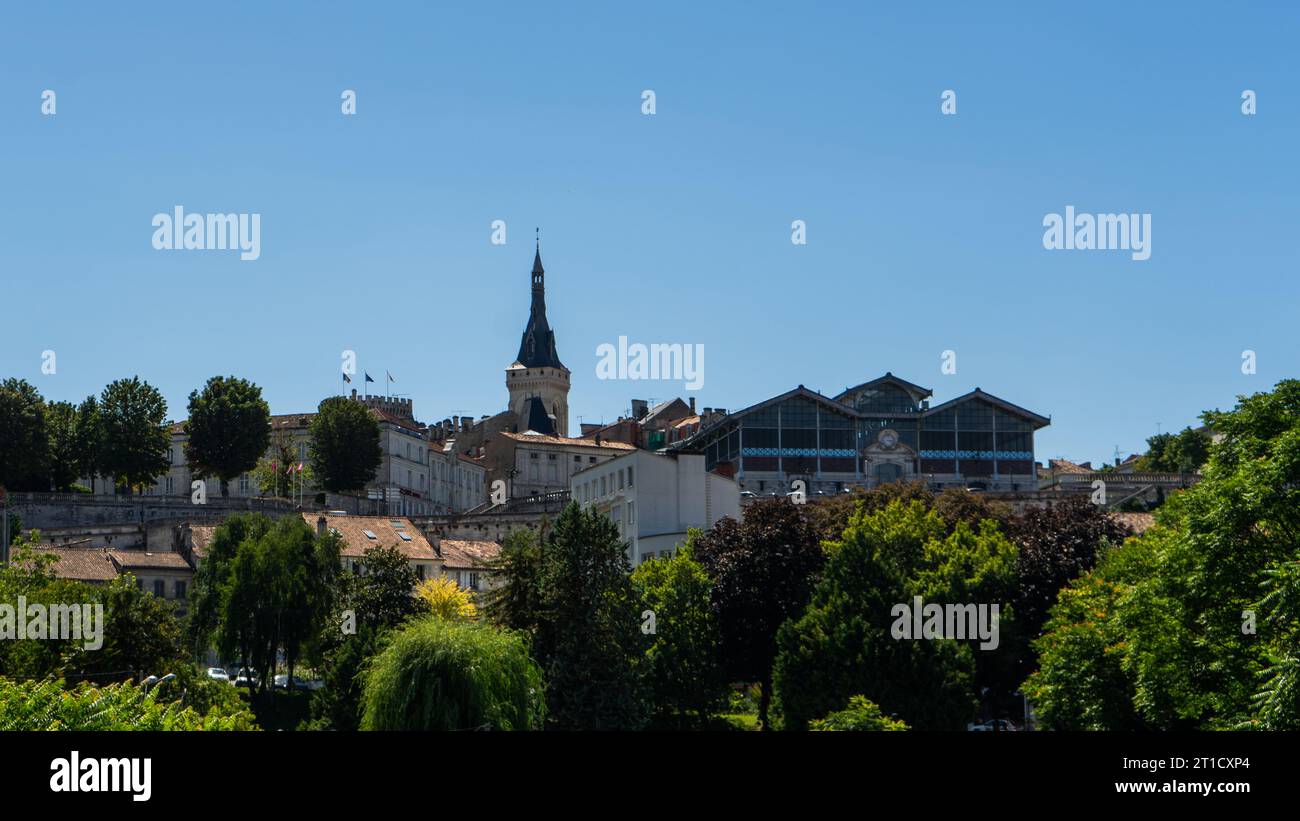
880, 431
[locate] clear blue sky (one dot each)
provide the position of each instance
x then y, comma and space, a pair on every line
924, 231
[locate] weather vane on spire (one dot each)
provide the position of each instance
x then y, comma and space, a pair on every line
539, 238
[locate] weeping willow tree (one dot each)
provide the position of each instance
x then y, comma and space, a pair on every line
444, 675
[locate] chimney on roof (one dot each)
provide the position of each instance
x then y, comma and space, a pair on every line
692, 400
320, 527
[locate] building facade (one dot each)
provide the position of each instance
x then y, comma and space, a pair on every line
884, 430
414, 478
654, 499
535, 464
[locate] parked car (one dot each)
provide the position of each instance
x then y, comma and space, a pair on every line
246, 677
281, 682
1000, 725
218, 674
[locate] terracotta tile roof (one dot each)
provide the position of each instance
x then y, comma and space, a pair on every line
385, 416
690, 420
1066, 466
126, 560
288, 421
538, 439
85, 564
471, 460
283, 421
1138, 522
460, 554
201, 538
387, 534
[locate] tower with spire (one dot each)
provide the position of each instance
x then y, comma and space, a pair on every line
537, 380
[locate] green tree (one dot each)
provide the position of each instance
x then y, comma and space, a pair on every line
88, 440
229, 429
63, 461
763, 570
213, 573
136, 438
443, 675
385, 592
30, 574
589, 639
1082, 681
277, 593
24, 440
1057, 543
515, 601
141, 636
686, 681
345, 450
370, 606
138, 636
1203, 636
844, 645
861, 715
1183, 452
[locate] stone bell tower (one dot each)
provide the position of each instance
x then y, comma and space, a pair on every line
537, 372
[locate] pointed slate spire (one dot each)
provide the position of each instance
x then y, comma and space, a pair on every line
537, 347
538, 271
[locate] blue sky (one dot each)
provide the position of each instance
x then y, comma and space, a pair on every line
924, 230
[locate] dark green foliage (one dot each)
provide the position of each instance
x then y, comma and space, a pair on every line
63, 459
588, 638
1183, 452
265, 586
842, 644
24, 440
572, 597
515, 602
229, 429
345, 449
763, 571
1057, 544
133, 419
379, 601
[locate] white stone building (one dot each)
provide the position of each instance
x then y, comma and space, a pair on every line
655, 499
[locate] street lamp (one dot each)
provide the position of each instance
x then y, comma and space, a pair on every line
153, 681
